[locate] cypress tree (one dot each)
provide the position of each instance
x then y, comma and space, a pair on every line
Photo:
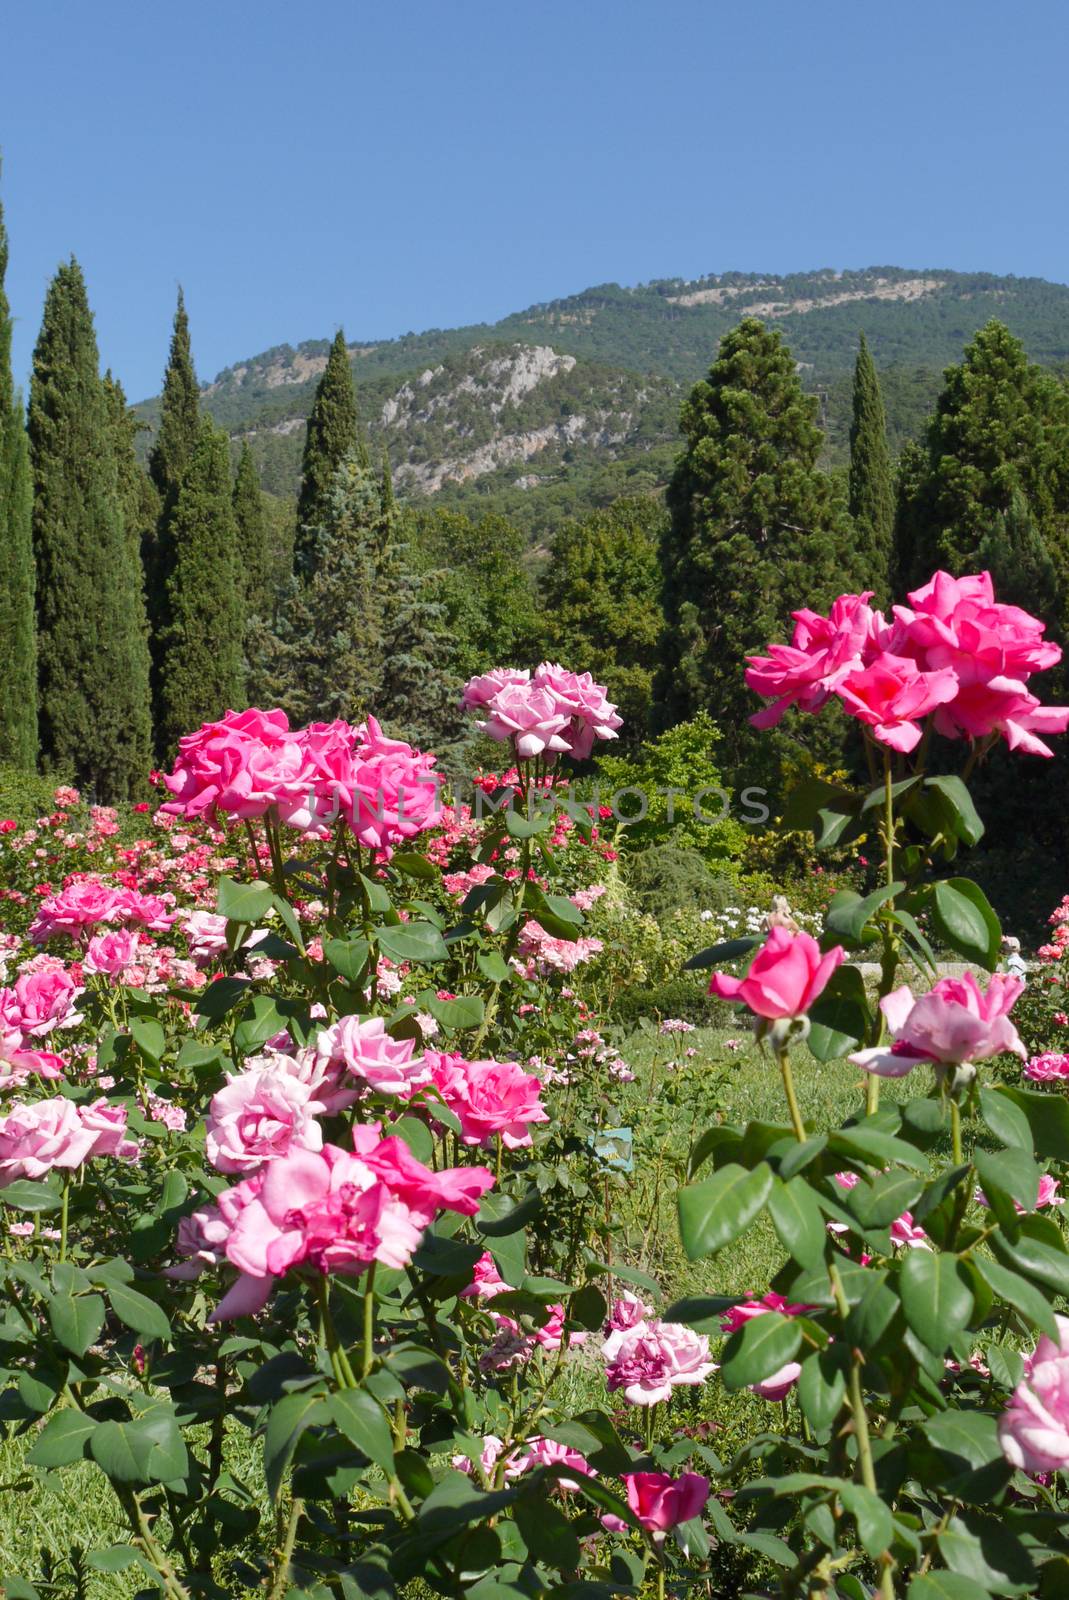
92, 665
872, 503
756, 531
171, 453
18, 654
250, 518
201, 669
333, 433
137, 493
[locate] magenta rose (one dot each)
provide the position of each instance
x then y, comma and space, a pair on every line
661, 1502
240, 766
42, 1000
652, 1358
489, 1097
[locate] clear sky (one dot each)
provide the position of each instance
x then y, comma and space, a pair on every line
407, 164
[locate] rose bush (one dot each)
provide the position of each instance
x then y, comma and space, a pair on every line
308, 1136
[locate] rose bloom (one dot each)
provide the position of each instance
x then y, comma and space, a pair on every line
787, 975
385, 789
824, 651
1046, 1195
489, 1097
532, 718
486, 1282
111, 954
364, 1048
955, 1022
41, 1001
240, 766
56, 1133
336, 1211
892, 695
661, 1502
779, 1383
260, 1116
626, 1311
1047, 1068
205, 933
652, 1358
1034, 1428
478, 692
590, 715
80, 905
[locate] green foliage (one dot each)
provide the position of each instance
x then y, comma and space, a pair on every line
678, 784
176, 437
755, 532
201, 670
476, 572
93, 677
871, 502
332, 435
253, 532
18, 656
601, 595
665, 876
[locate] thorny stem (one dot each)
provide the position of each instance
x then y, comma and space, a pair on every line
281, 1579
887, 975
173, 1587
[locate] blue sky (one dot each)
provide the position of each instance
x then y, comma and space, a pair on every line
406, 164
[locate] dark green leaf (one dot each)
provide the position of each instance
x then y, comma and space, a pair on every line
713, 1213
347, 956
76, 1320
62, 1440
1018, 1293
363, 1423
138, 1312
936, 1298
760, 1347
412, 941
547, 1533
288, 1420
728, 950
964, 920
244, 902
798, 1220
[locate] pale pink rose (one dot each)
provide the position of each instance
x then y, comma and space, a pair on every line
240, 766
1034, 1428
205, 934
626, 1311
590, 715
661, 1502
1046, 1195
112, 954
542, 1452
652, 1358
787, 975
550, 1336
893, 695
489, 1456
107, 1123
532, 719
364, 1048
38, 1137
955, 1022
480, 691
547, 953
260, 1116
489, 1097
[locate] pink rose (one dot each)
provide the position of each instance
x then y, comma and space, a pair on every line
1034, 1428
787, 975
259, 1116
905, 1232
364, 1048
240, 766
779, 1383
111, 954
892, 695
652, 1358
205, 934
954, 1023
56, 1133
42, 999
80, 905
626, 1311
489, 1097
531, 718
823, 652
590, 715
1047, 1068
107, 1124
1002, 705
486, 1282
661, 1502
478, 692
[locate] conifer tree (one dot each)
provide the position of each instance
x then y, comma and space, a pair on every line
602, 602
477, 571
137, 493
250, 517
333, 433
202, 671
872, 503
18, 644
756, 531
996, 473
92, 666
171, 453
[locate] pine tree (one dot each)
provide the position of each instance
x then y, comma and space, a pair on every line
202, 672
18, 653
997, 469
333, 433
92, 665
366, 633
250, 517
602, 603
756, 531
872, 503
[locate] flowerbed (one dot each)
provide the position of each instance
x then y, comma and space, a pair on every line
312, 1132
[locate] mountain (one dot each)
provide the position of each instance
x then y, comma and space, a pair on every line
568, 403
